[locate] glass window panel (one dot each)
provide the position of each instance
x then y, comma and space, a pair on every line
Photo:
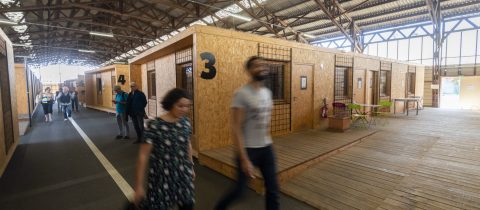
403, 50
415, 52
382, 49
427, 48
453, 45
367, 48
373, 49
453, 61
392, 49
468, 60
151, 83
416, 61
468, 43
276, 80
427, 61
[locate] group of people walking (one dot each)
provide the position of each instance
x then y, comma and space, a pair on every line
166, 152
67, 101
130, 105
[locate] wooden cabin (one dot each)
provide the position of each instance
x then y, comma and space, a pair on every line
28, 88
9, 135
99, 85
54, 87
209, 63
71, 83
22, 86
80, 87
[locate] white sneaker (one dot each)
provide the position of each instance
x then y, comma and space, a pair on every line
64, 119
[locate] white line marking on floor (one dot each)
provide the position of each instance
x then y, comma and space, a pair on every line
119, 180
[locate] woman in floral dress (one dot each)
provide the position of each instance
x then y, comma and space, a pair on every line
170, 166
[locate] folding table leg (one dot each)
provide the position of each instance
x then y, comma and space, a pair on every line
417, 107
406, 107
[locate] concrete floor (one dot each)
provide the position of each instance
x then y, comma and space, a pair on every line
53, 168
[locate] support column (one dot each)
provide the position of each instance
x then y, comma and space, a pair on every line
438, 38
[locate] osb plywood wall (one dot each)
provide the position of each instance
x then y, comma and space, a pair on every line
359, 85
136, 76
21, 89
427, 88
165, 69
470, 91
107, 89
399, 72
90, 89
213, 97
125, 71
144, 83
419, 83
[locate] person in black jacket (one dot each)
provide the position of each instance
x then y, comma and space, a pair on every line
136, 104
74, 94
65, 101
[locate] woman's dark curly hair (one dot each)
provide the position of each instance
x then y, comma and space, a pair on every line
172, 97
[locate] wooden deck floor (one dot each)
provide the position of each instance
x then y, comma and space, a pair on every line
430, 161
295, 152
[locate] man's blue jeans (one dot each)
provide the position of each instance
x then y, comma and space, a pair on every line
264, 159
67, 111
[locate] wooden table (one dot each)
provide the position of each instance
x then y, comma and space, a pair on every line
373, 106
406, 101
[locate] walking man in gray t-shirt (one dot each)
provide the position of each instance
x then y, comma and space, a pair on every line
251, 113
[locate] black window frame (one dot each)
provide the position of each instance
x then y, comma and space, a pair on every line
385, 81
152, 84
276, 80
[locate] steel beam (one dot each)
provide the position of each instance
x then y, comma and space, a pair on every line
334, 11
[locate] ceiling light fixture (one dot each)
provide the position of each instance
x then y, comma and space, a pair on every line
21, 45
7, 21
309, 36
87, 51
240, 17
95, 33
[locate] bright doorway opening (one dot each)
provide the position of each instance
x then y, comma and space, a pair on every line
450, 93
460, 92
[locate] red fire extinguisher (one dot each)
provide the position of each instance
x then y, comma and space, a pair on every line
324, 108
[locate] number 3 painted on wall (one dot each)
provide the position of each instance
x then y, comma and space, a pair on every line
212, 71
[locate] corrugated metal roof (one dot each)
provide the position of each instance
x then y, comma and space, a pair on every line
306, 16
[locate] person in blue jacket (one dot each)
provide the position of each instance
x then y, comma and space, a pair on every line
121, 114
136, 104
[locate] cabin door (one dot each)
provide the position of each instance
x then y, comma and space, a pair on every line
6, 100
302, 97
